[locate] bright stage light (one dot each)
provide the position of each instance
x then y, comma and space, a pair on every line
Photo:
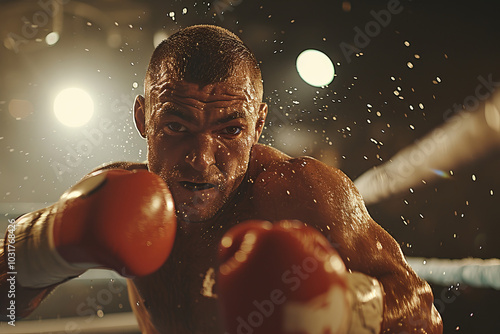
73, 107
315, 68
52, 38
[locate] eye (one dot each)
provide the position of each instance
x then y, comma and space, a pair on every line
176, 127
232, 130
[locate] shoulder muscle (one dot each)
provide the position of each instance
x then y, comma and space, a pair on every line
325, 198
304, 184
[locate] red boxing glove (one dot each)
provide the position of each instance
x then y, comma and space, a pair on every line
281, 278
117, 219
124, 220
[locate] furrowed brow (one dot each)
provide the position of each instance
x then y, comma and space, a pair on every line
169, 111
230, 117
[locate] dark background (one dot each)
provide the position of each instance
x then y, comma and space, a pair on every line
105, 46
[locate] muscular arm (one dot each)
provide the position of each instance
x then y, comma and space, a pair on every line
28, 299
323, 197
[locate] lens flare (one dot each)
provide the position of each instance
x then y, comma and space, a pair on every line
441, 173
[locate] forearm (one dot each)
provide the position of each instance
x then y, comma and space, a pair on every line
408, 305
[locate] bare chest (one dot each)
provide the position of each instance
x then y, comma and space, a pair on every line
181, 297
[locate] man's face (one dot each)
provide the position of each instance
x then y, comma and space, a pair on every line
200, 138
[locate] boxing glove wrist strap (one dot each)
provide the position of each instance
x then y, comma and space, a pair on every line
38, 263
367, 304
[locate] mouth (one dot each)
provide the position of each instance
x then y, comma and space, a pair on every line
194, 186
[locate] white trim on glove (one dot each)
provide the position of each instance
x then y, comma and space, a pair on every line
367, 304
38, 263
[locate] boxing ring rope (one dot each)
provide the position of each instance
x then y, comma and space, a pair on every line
477, 273
465, 137
113, 323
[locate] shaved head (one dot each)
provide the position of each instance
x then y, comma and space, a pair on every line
201, 116
203, 54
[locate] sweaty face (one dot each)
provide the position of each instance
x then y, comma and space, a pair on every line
199, 140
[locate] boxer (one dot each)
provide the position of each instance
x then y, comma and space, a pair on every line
250, 221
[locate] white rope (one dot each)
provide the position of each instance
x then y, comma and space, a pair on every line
462, 139
472, 272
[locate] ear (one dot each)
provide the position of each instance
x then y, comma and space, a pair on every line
261, 120
140, 115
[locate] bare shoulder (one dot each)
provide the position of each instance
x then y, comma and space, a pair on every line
262, 157
325, 198
266, 161
308, 180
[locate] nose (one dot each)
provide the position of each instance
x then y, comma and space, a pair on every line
202, 154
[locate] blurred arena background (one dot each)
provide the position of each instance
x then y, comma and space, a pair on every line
402, 69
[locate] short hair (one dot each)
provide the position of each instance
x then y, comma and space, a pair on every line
204, 54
